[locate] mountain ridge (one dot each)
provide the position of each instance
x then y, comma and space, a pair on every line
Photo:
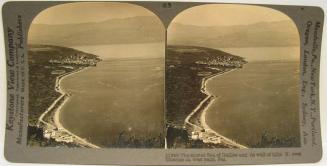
261, 34
139, 29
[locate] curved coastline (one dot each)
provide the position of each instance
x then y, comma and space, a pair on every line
57, 105
203, 108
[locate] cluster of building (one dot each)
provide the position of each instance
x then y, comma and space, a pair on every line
204, 73
227, 62
206, 137
197, 135
58, 134
76, 59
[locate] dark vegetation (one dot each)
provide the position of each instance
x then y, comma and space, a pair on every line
125, 140
178, 138
270, 141
35, 138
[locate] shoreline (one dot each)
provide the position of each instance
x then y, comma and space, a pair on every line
57, 105
208, 135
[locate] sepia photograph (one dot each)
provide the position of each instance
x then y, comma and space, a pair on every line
162, 83
96, 77
232, 78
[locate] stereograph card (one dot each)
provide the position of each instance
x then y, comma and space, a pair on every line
169, 83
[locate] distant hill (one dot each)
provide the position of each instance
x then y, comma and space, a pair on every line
141, 29
263, 34
41, 54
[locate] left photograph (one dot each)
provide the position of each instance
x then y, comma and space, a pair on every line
96, 77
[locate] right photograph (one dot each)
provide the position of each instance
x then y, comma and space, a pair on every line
232, 78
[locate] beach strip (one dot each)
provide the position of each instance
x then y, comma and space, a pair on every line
203, 107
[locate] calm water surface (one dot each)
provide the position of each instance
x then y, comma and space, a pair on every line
262, 97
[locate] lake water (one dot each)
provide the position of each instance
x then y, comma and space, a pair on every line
261, 98
117, 96
119, 51
252, 54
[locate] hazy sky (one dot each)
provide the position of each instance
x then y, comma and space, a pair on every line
226, 14
81, 12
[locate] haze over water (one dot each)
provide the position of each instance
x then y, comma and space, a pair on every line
118, 95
